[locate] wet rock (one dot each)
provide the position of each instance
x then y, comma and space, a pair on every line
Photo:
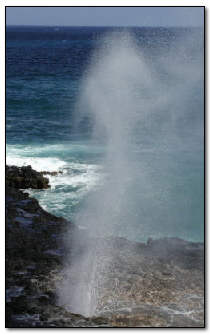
157, 284
33, 250
25, 177
53, 173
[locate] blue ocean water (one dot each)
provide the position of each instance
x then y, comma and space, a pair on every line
45, 67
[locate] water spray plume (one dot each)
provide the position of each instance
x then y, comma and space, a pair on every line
124, 94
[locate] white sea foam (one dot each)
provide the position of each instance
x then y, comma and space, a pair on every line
26, 155
72, 185
50, 157
75, 181
37, 163
77, 174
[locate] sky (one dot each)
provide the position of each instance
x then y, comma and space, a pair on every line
105, 16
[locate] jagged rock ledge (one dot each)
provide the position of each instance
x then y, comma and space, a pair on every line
25, 177
158, 284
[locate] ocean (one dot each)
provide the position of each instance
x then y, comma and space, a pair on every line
56, 76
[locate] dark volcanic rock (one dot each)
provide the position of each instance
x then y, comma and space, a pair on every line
25, 177
33, 251
53, 173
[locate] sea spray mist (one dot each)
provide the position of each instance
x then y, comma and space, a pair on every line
135, 103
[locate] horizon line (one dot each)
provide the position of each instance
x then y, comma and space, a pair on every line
97, 26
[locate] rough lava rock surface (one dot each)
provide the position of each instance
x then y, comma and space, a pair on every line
25, 177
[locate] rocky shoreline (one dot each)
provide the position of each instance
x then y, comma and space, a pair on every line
158, 284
